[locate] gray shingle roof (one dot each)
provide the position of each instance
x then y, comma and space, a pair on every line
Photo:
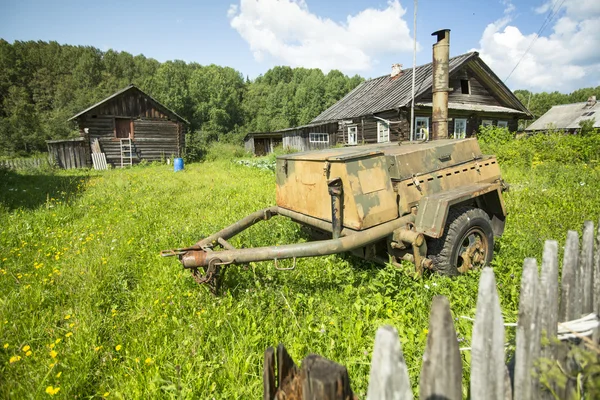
130, 87
385, 93
566, 116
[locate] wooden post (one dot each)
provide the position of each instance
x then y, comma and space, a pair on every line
323, 379
441, 373
487, 343
568, 298
549, 291
528, 340
586, 262
596, 300
269, 387
389, 378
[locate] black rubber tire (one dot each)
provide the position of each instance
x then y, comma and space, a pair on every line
444, 250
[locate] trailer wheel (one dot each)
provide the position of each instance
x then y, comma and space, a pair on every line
467, 242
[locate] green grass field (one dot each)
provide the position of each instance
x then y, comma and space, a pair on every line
88, 309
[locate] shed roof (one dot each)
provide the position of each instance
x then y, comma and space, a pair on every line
387, 93
567, 116
124, 90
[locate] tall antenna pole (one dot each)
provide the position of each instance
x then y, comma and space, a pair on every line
412, 103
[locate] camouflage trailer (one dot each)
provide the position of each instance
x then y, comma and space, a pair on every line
435, 203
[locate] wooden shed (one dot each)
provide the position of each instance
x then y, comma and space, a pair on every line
155, 131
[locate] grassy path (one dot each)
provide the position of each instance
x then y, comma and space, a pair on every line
88, 306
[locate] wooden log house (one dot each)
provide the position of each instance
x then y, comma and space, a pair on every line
378, 110
156, 132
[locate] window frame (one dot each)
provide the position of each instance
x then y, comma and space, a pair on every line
415, 135
465, 132
465, 84
355, 128
385, 138
487, 122
318, 137
502, 124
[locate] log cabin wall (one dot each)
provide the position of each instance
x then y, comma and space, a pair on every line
467, 88
157, 132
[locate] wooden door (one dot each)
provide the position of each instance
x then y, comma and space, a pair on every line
123, 128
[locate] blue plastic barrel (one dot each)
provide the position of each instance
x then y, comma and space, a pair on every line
178, 164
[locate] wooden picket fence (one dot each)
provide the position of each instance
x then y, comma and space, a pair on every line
544, 315
26, 163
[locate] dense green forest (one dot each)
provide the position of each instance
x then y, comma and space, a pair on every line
43, 84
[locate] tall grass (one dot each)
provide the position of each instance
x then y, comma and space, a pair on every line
89, 308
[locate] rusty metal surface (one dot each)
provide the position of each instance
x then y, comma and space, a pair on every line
200, 258
441, 82
433, 209
412, 190
302, 187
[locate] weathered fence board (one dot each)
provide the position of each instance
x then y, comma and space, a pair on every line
568, 299
25, 163
541, 314
525, 386
389, 375
441, 373
586, 264
487, 344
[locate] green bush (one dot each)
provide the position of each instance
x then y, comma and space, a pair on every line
531, 150
224, 151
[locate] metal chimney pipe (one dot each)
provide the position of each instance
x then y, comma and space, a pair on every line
441, 81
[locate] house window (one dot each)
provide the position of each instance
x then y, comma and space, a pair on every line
318, 137
123, 128
383, 132
465, 88
486, 122
460, 128
502, 124
352, 135
421, 128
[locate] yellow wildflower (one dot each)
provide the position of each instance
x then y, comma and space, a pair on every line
118, 347
26, 348
148, 361
67, 316
53, 354
52, 390
59, 374
69, 334
52, 365
72, 324
137, 360
426, 331
57, 341
14, 359
6, 345
97, 348
28, 353
106, 394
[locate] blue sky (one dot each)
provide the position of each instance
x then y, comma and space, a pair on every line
363, 37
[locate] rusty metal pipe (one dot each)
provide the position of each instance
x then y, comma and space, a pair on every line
239, 226
441, 82
336, 191
200, 258
312, 221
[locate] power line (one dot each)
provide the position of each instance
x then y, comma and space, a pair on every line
549, 17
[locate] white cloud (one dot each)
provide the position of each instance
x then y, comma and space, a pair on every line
565, 59
288, 32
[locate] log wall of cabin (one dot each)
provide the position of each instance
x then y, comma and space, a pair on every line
478, 92
153, 140
155, 134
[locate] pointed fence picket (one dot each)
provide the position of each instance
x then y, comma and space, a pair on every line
541, 311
